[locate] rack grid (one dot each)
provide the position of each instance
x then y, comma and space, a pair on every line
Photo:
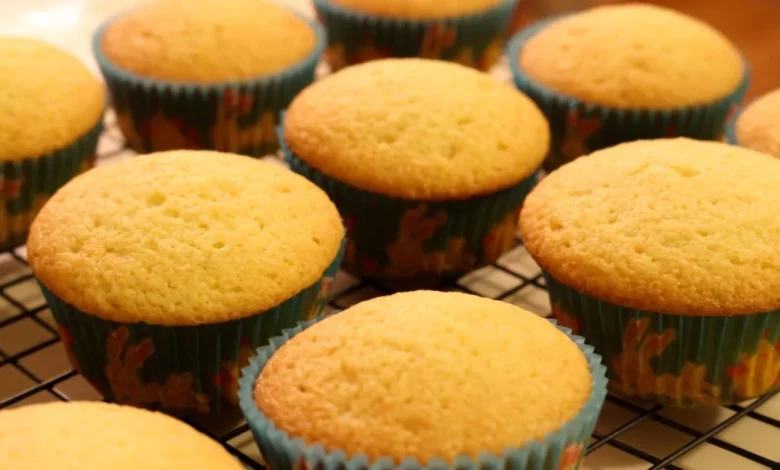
630, 434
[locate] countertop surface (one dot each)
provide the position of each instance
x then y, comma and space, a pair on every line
635, 436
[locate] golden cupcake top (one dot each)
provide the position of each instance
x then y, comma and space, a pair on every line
184, 237
384, 377
633, 56
758, 127
95, 436
418, 9
48, 101
417, 129
673, 226
207, 41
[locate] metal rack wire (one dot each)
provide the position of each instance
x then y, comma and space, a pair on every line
112, 146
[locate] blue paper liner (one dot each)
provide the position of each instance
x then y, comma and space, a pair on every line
561, 449
674, 359
177, 369
474, 39
578, 127
415, 244
236, 116
27, 184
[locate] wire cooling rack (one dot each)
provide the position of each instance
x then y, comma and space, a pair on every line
630, 435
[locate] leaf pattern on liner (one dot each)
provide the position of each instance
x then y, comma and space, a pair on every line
123, 364
637, 377
759, 373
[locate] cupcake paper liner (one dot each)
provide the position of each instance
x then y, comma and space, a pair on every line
673, 359
578, 127
475, 39
411, 244
237, 117
731, 128
561, 449
177, 369
27, 184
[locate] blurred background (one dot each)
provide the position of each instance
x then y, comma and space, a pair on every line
754, 25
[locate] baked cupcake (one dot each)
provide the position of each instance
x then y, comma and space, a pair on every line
758, 126
165, 272
429, 183
626, 72
664, 255
52, 115
471, 32
211, 74
95, 436
379, 381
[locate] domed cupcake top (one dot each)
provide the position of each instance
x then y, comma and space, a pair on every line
672, 226
48, 101
184, 237
633, 56
385, 377
417, 129
418, 9
92, 436
207, 41
758, 127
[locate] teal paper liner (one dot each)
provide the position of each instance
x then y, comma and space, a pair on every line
177, 369
27, 184
474, 39
411, 244
561, 449
673, 359
731, 128
237, 116
578, 127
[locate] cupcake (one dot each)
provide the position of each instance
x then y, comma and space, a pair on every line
619, 73
471, 32
211, 74
381, 380
664, 255
758, 126
166, 272
429, 179
52, 115
96, 436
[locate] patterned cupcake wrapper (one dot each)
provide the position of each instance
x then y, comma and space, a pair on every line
562, 449
178, 369
238, 117
672, 359
411, 244
27, 184
475, 40
579, 127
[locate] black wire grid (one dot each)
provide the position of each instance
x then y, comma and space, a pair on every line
349, 291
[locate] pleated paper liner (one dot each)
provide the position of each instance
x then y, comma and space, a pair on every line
237, 117
475, 39
177, 369
578, 127
27, 184
407, 244
673, 359
561, 449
